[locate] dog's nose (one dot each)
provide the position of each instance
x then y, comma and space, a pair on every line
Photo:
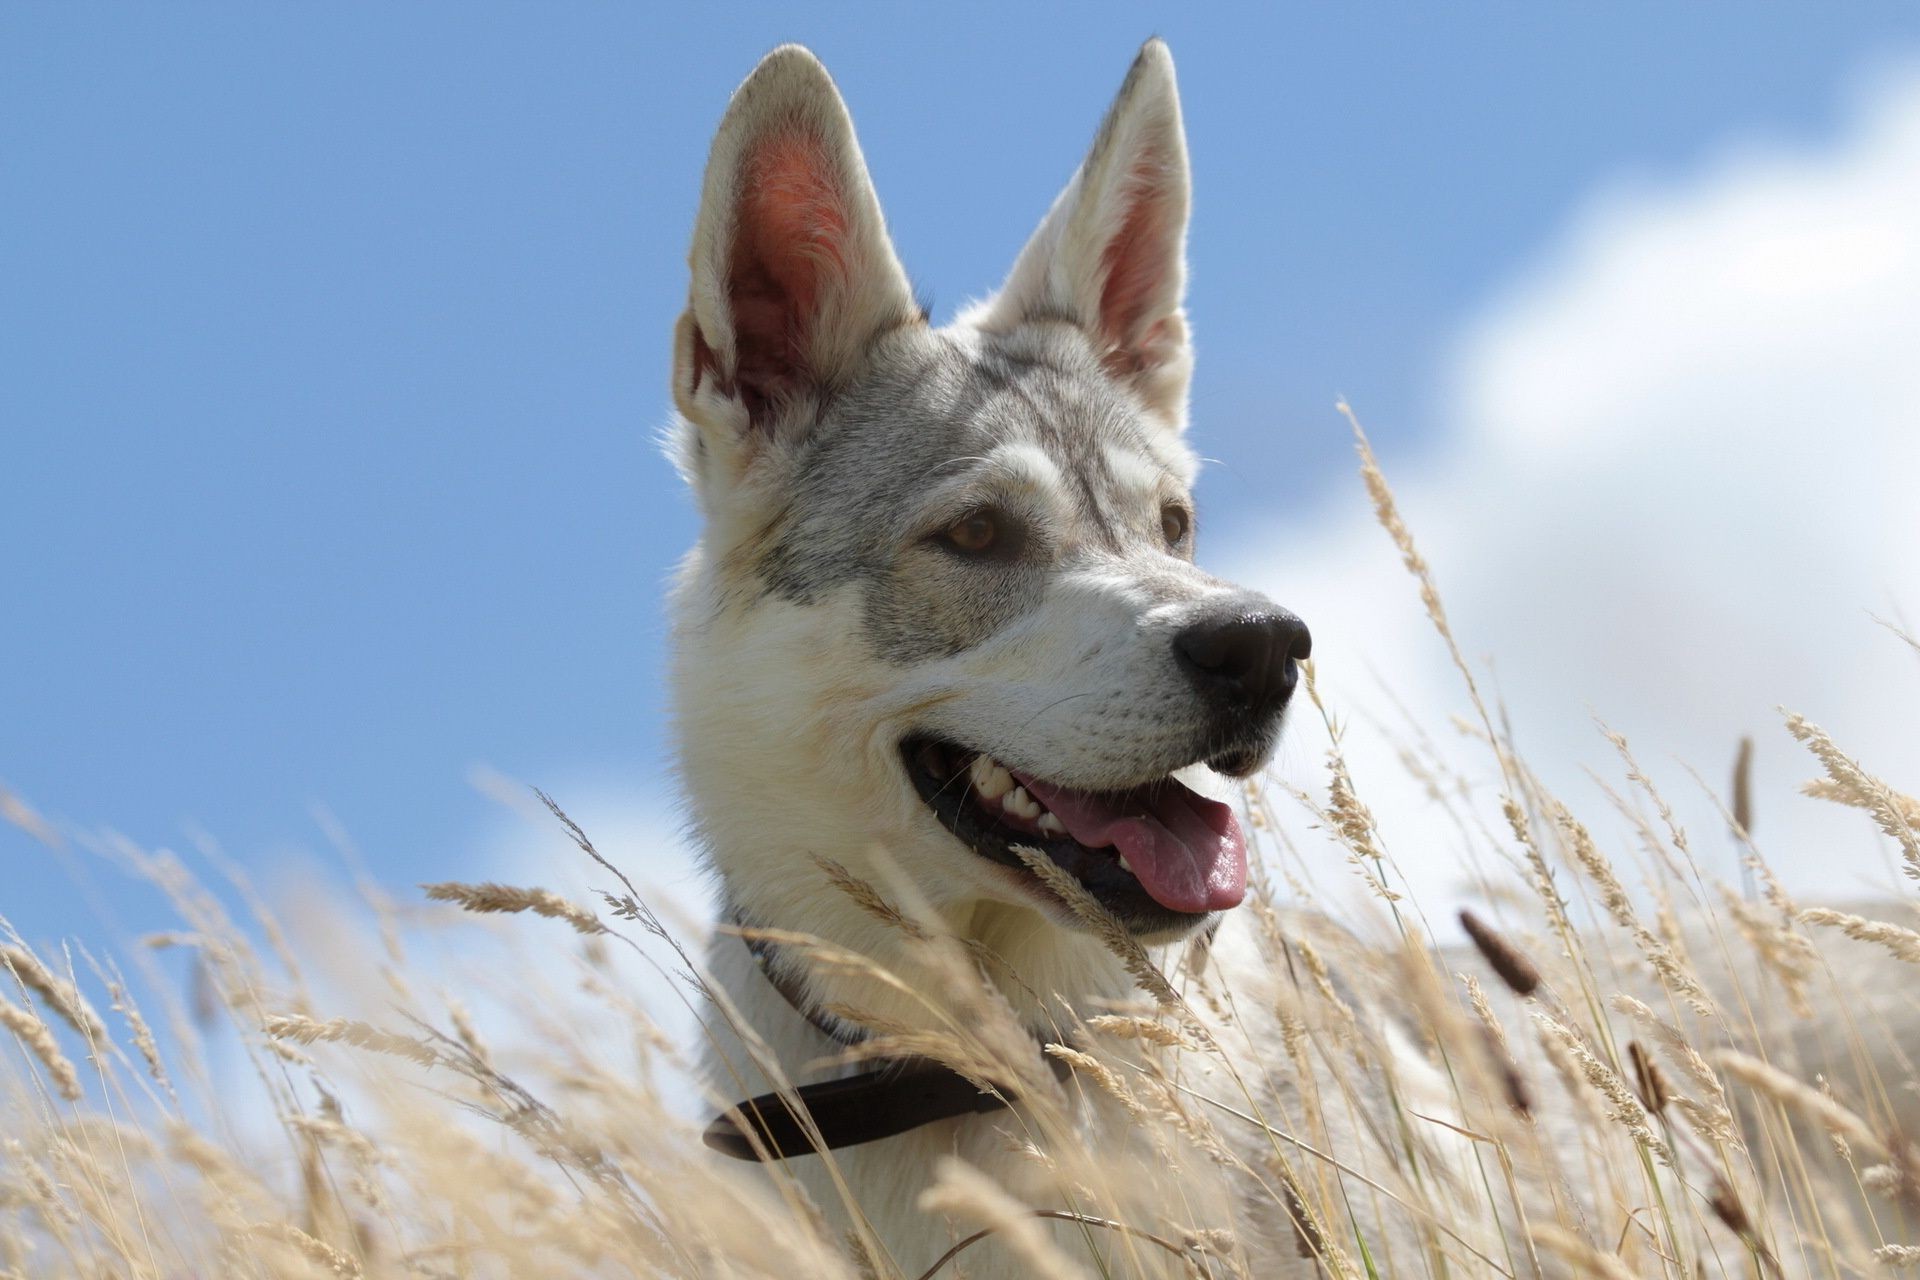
1248, 660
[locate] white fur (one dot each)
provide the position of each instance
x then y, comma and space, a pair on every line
788, 727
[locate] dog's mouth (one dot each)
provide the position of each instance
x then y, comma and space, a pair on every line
1159, 855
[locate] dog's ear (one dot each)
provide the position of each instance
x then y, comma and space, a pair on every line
1111, 254
793, 273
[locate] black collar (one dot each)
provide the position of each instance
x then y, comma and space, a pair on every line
901, 1094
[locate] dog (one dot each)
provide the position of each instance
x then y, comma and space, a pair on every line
944, 636
945, 605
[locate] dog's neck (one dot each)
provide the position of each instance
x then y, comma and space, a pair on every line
845, 963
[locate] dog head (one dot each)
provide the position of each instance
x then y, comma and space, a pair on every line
946, 602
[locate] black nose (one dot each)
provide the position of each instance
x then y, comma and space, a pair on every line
1247, 660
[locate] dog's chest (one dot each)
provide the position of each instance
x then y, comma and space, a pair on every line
885, 1182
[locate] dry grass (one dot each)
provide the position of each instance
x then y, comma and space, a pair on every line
1703, 1082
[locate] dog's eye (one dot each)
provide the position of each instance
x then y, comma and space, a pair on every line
973, 533
1175, 524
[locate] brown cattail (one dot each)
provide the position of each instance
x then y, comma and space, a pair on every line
1727, 1207
1519, 1097
1647, 1081
1743, 789
1307, 1242
1501, 956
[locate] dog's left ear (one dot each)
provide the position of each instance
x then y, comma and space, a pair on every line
1111, 253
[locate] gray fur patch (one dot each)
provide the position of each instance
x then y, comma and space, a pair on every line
925, 420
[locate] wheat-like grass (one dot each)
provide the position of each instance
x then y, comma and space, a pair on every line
37, 1039
1772, 1082
506, 898
963, 1192
1891, 809
1735, 1096
1904, 943
57, 993
1586, 1259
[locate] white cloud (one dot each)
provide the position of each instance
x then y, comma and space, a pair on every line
1682, 465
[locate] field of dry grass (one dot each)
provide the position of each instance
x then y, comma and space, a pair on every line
1638, 1070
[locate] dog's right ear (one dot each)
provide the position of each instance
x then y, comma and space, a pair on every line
1110, 256
793, 273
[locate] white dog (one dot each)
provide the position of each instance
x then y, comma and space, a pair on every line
945, 604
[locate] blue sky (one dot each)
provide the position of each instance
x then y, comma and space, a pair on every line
335, 338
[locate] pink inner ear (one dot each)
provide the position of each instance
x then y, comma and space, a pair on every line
1136, 261
790, 232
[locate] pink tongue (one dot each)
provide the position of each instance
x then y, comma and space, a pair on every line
1186, 850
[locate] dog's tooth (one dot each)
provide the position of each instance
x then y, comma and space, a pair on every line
990, 780
1051, 825
1019, 802
1123, 864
